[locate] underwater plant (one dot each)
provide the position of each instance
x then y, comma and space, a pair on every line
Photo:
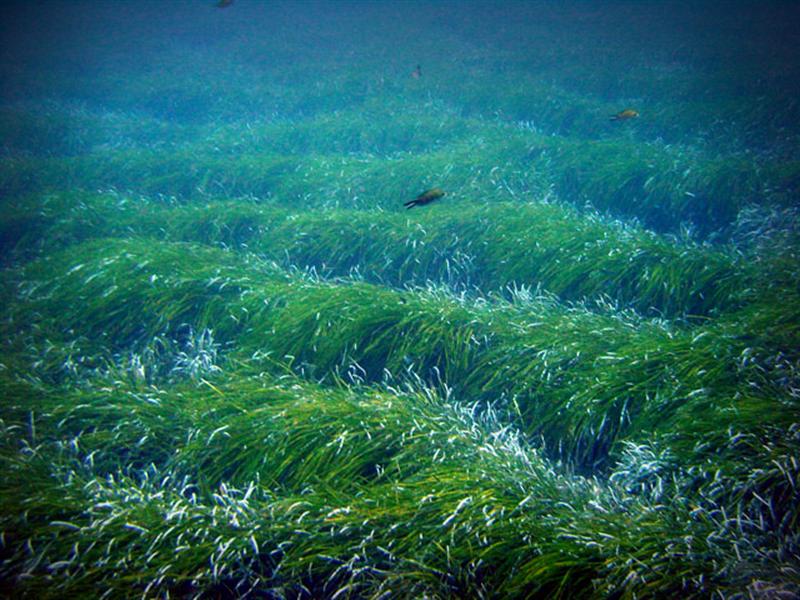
232, 364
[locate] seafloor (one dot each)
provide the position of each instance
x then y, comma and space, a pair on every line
232, 364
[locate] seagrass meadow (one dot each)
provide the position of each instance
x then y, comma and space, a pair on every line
234, 365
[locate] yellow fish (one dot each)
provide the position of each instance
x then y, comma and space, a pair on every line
425, 197
626, 114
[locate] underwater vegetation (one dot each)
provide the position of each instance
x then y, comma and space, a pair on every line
138, 305
476, 248
232, 364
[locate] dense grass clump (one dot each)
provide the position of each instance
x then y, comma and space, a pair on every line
664, 187
315, 491
586, 382
573, 256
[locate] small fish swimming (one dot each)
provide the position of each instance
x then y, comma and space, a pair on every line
626, 114
417, 73
425, 197
224, 3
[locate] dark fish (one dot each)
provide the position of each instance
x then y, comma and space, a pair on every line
425, 197
224, 3
626, 114
417, 73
